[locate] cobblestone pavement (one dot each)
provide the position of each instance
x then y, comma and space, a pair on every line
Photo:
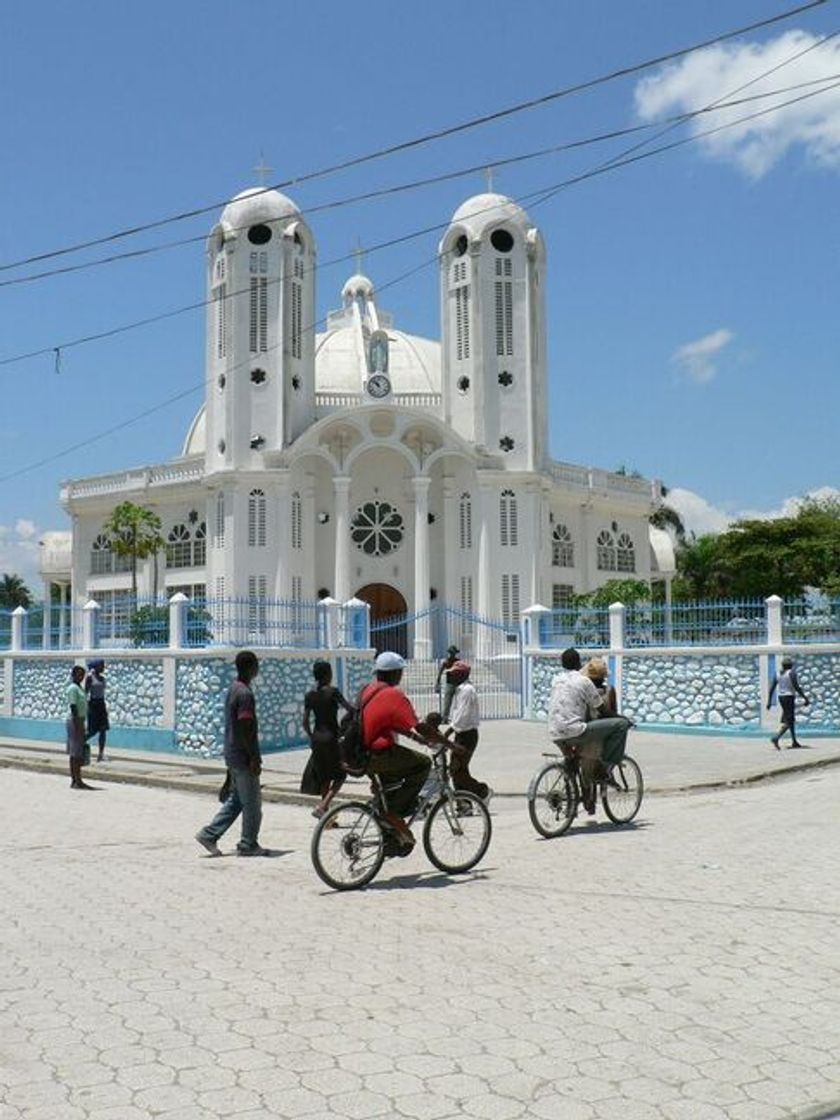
685, 968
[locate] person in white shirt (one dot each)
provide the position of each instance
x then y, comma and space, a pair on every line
464, 720
573, 719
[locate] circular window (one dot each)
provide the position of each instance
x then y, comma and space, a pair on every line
222, 381
460, 246
377, 528
259, 235
501, 240
258, 376
463, 384
221, 446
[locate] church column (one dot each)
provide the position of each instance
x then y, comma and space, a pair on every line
487, 513
341, 504
422, 626
280, 502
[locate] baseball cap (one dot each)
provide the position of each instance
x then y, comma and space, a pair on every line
387, 662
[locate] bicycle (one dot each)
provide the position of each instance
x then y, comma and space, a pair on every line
352, 840
558, 788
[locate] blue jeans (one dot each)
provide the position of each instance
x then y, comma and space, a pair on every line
245, 798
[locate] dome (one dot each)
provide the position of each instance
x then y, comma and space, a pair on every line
663, 560
483, 210
257, 205
413, 362
196, 440
357, 285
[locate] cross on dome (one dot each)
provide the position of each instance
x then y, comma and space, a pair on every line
262, 170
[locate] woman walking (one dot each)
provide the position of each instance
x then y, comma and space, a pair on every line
77, 747
97, 715
789, 687
323, 774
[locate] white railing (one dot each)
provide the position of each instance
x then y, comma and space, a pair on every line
604, 482
170, 474
324, 401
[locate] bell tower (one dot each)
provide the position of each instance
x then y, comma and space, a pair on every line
260, 390
492, 281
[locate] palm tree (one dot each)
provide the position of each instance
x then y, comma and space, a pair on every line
134, 532
14, 593
666, 517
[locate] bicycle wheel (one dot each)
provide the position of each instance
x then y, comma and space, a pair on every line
348, 846
621, 801
457, 832
552, 800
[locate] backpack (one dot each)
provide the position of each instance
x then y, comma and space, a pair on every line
351, 743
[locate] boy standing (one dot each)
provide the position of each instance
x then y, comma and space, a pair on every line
244, 763
463, 721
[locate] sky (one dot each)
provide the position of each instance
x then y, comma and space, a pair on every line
692, 325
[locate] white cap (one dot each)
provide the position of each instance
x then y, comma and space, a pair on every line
387, 662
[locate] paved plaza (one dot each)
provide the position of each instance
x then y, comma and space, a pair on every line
684, 968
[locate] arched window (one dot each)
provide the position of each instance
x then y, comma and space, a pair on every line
256, 519
297, 521
179, 548
460, 289
562, 548
258, 308
504, 306
296, 309
626, 553
508, 519
465, 521
606, 551
100, 556
219, 521
200, 546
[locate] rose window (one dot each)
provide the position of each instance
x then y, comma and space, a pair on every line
377, 528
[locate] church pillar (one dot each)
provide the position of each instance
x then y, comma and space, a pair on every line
486, 518
47, 619
341, 504
422, 625
281, 499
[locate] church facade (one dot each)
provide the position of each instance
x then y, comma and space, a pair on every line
360, 461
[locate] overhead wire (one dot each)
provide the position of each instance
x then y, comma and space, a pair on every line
448, 176
429, 137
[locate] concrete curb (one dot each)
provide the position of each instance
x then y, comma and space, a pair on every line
207, 779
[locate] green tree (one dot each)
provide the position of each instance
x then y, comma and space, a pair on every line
14, 593
627, 591
134, 532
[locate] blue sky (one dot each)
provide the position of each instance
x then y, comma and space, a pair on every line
693, 332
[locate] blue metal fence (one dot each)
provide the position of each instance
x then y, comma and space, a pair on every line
724, 622
576, 626
815, 619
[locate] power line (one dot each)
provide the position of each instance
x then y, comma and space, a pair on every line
463, 172
439, 134
534, 198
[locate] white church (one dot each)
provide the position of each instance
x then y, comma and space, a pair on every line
363, 461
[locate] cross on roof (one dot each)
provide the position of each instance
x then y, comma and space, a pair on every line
262, 169
488, 174
359, 254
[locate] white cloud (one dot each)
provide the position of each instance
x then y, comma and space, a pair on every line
756, 145
697, 360
700, 516
19, 552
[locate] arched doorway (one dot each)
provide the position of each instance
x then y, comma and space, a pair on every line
388, 609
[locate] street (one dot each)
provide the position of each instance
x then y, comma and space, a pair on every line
683, 968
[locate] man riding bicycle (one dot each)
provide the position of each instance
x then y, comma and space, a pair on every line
386, 713
575, 726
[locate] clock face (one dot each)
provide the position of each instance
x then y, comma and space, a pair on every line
378, 385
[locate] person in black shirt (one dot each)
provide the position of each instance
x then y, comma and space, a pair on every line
324, 774
244, 763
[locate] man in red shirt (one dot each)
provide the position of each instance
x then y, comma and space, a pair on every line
387, 712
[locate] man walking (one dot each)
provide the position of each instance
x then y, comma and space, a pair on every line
463, 724
244, 762
573, 723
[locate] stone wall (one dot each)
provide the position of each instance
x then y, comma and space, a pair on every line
39, 688
819, 677
692, 690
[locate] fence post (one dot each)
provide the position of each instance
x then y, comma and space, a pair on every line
357, 624
178, 620
90, 614
328, 622
535, 626
618, 614
774, 620
19, 616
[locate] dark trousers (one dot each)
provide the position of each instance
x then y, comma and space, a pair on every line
459, 763
399, 763
788, 722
